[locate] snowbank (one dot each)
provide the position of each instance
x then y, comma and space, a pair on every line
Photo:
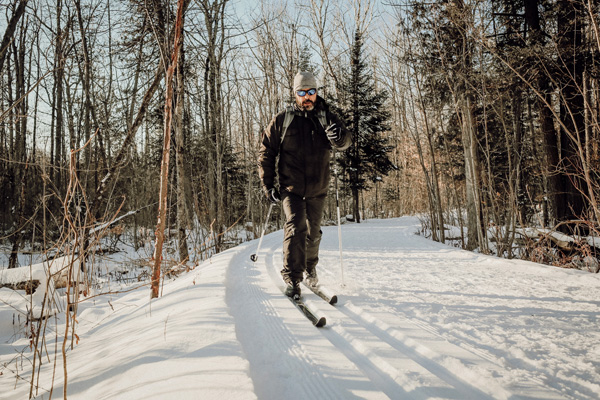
43, 278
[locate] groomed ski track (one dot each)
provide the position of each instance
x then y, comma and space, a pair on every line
368, 350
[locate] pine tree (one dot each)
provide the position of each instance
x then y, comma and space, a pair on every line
366, 117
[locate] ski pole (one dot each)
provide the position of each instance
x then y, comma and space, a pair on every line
337, 203
254, 257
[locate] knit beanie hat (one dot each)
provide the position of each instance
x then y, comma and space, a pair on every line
304, 80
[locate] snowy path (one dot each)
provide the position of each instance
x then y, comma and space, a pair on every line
370, 348
415, 320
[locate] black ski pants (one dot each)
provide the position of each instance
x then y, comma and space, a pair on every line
302, 234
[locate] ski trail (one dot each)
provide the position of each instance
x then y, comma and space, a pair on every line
378, 360
357, 355
469, 384
281, 366
532, 381
388, 379
552, 384
321, 352
394, 367
292, 358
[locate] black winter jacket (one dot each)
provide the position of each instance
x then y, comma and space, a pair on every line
304, 155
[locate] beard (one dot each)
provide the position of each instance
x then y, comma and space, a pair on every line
304, 104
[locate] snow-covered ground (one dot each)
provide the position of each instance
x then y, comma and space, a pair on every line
416, 320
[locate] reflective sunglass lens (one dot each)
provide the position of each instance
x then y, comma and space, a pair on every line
303, 93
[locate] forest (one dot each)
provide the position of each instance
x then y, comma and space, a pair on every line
142, 118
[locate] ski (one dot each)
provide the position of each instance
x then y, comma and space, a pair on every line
323, 293
308, 313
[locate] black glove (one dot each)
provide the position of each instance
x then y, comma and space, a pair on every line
273, 195
333, 132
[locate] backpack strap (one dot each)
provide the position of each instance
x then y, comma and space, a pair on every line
289, 116
322, 115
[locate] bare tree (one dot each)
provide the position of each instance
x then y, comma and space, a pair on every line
164, 176
19, 10
183, 182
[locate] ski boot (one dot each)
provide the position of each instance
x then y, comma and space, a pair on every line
292, 290
311, 278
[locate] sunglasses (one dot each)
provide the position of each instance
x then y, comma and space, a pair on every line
309, 92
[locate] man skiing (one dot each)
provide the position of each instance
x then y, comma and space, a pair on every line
301, 138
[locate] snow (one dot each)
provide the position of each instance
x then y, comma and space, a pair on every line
114, 221
57, 268
415, 319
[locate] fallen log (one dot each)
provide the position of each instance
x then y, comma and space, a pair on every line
29, 286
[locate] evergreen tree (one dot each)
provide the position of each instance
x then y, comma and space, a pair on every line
367, 118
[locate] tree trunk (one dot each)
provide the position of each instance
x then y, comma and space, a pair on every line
214, 15
472, 175
476, 234
183, 213
549, 137
89, 112
19, 223
20, 123
164, 168
59, 63
572, 134
10, 30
